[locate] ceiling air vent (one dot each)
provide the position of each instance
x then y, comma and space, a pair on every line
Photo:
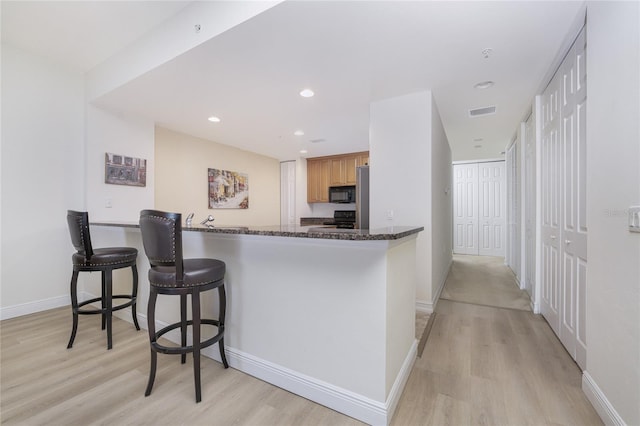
482, 111
317, 140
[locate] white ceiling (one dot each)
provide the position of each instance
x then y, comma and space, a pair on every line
350, 53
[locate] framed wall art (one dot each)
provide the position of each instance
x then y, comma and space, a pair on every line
228, 190
123, 170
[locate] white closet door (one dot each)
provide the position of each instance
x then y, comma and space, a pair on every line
550, 179
465, 209
288, 193
512, 258
574, 229
491, 208
530, 208
564, 231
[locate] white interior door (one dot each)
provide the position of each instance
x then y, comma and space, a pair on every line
550, 180
491, 208
465, 208
529, 208
513, 214
564, 231
574, 229
288, 193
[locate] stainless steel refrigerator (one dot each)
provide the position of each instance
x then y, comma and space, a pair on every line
362, 197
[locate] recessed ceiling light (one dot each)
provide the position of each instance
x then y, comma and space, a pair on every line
303, 151
214, 119
306, 93
484, 84
298, 133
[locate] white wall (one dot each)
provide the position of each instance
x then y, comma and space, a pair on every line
412, 168
613, 184
187, 191
42, 177
441, 205
118, 134
172, 38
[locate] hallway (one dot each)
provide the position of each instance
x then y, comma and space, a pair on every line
491, 365
484, 280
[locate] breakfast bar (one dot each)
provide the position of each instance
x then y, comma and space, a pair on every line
328, 314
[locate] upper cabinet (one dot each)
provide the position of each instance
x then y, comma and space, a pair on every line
335, 170
318, 180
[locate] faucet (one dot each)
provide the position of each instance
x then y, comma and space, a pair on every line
188, 221
207, 220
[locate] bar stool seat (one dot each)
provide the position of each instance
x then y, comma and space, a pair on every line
105, 260
196, 272
103, 257
170, 274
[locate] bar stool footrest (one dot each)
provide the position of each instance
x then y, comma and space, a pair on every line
186, 349
131, 301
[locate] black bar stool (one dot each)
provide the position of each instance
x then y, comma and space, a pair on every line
172, 275
105, 260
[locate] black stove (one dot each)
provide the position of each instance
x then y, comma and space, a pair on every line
345, 219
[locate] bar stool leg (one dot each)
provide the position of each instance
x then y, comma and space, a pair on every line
74, 307
108, 285
151, 325
183, 326
195, 313
223, 311
102, 301
134, 297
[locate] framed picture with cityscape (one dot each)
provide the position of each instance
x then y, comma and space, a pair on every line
228, 190
123, 170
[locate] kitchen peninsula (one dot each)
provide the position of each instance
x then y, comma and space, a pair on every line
326, 314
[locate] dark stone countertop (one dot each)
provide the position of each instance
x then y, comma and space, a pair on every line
318, 232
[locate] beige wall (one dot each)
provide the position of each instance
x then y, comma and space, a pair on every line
182, 162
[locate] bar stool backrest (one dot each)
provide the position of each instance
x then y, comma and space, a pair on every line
162, 240
79, 229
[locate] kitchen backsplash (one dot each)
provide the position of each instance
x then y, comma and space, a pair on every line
327, 209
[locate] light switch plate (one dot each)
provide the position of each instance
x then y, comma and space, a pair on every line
634, 219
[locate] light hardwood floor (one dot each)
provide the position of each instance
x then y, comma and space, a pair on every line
481, 365
484, 280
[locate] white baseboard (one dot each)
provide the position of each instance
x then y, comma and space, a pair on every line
429, 307
342, 400
424, 306
400, 382
535, 307
598, 399
33, 307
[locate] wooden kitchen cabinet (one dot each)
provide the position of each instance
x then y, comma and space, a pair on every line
343, 168
335, 170
338, 171
318, 180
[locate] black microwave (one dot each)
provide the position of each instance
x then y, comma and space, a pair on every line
342, 194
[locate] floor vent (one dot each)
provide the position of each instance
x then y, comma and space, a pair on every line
482, 111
